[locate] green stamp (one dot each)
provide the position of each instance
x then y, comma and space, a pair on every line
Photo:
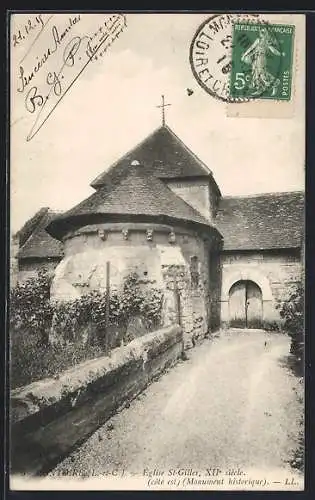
262, 57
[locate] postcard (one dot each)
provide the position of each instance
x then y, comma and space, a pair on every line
156, 321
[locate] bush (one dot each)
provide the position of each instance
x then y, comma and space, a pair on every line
297, 461
271, 326
73, 318
31, 361
78, 327
292, 312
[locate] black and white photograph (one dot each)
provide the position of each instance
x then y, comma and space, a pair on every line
157, 247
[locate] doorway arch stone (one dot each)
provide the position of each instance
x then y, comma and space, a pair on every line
246, 275
230, 277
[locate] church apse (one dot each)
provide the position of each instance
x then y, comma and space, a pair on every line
166, 257
135, 222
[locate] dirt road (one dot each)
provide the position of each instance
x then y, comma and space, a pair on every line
232, 404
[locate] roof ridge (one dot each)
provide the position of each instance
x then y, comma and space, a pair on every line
55, 211
203, 165
257, 195
41, 225
31, 224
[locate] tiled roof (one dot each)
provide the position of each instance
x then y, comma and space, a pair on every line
27, 229
164, 155
136, 196
267, 221
34, 240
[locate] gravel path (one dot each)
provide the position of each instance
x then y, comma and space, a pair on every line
231, 404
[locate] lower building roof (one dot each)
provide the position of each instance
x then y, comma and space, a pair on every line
35, 242
264, 221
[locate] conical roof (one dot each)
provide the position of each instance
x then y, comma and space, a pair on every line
137, 196
164, 155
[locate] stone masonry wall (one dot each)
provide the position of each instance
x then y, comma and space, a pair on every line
52, 416
201, 194
164, 256
29, 268
273, 271
196, 193
195, 297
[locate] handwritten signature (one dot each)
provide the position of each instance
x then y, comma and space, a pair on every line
42, 99
57, 39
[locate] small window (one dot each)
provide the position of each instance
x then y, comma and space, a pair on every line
194, 271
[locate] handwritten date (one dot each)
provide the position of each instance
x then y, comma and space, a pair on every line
22, 33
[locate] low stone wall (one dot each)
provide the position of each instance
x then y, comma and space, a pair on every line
49, 418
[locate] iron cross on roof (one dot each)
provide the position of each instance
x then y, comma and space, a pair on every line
163, 106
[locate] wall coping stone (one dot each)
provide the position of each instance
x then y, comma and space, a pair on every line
32, 399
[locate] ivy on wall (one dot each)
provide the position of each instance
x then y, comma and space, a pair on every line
32, 311
47, 338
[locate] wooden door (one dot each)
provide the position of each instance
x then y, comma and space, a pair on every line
237, 301
245, 305
253, 305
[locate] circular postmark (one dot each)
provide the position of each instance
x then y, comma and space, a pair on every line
211, 54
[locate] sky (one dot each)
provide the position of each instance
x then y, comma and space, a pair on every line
112, 106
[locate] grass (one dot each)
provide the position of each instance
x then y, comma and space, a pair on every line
31, 362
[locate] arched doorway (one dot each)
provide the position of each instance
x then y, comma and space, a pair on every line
245, 305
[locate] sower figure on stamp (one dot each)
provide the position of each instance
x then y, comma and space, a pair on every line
256, 55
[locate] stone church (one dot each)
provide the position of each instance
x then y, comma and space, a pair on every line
158, 211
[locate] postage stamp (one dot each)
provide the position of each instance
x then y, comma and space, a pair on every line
211, 54
261, 61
